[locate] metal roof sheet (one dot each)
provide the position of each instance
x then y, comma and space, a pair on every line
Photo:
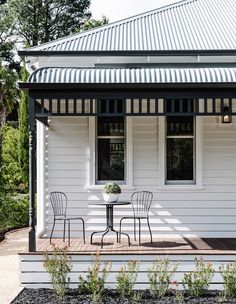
134, 75
186, 25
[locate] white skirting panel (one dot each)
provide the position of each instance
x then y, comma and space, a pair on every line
33, 275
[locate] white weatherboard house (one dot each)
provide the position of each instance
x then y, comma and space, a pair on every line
148, 102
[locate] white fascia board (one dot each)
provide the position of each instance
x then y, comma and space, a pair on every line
31, 63
91, 61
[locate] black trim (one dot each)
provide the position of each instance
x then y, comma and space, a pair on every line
43, 119
137, 93
131, 53
113, 86
32, 174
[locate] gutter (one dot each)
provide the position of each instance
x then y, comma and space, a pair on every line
129, 53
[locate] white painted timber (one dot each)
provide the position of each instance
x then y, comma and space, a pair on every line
206, 211
33, 274
41, 178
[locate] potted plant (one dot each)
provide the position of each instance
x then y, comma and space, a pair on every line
111, 192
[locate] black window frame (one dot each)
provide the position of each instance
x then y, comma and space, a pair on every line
179, 136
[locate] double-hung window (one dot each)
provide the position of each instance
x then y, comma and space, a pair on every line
110, 149
111, 145
180, 143
110, 141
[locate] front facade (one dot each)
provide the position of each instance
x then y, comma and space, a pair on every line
140, 102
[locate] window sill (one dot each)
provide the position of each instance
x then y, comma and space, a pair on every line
95, 188
180, 188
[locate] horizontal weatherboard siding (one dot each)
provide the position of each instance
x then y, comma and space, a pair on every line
206, 212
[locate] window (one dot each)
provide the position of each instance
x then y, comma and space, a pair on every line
180, 143
110, 145
110, 148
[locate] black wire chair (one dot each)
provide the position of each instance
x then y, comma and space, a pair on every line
141, 203
59, 206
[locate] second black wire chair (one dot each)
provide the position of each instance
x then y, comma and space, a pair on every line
59, 206
141, 203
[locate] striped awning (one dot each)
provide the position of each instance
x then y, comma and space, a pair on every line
134, 75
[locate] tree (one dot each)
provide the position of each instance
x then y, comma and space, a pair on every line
23, 132
39, 21
11, 174
92, 23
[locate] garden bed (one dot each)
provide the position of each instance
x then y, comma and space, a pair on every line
48, 296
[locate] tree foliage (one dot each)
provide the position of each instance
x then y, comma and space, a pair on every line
11, 172
23, 132
92, 23
39, 21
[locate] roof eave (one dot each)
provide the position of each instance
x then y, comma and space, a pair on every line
228, 52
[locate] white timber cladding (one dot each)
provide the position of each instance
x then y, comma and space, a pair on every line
41, 181
33, 274
205, 211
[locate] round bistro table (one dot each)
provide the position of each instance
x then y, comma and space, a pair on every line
109, 218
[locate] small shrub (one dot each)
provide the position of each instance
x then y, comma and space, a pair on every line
126, 278
58, 266
95, 282
198, 281
111, 188
160, 276
228, 273
14, 212
179, 296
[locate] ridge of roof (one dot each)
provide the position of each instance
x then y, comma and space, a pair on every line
113, 24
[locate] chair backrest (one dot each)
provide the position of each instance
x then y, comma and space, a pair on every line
59, 203
141, 202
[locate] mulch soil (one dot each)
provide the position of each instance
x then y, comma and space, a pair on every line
48, 296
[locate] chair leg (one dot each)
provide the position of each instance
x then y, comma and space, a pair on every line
134, 229
52, 231
64, 231
139, 235
83, 229
68, 233
149, 228
120, 229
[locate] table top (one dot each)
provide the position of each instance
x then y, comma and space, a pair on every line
119, 203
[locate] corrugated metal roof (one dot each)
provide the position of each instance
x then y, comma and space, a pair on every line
186, 25
132, 75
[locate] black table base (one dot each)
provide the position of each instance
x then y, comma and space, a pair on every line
109, 228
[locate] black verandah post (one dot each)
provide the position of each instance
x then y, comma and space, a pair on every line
32, 174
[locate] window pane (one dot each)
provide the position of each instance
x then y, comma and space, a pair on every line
179, 125
111, 106
111, 159
179, 105
110, 126
179, 159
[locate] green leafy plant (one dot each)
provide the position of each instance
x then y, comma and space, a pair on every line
126, 278
160, 276
198, 281
179, 296
111, 188
11, 171
14, 211
228, 273
58, 265
96, 278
